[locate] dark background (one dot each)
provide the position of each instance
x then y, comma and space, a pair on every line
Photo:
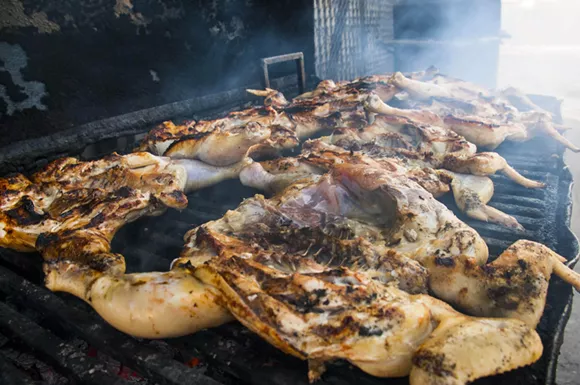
100, 58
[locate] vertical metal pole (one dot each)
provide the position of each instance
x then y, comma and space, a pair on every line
266, 78
301, 74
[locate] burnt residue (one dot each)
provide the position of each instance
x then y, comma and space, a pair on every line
25, 213
364, 331
433, 363
445, 261
96, 58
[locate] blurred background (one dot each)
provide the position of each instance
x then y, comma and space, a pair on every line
542, 56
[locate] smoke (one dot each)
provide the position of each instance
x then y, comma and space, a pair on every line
543, 53
459, 38
375, 36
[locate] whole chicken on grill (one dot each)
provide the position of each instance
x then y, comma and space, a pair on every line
257, 131
471, 193
319, 294
420, 228
434, 145
431, 155
69, 194
481, 117
222, 142
324, 270
71, 210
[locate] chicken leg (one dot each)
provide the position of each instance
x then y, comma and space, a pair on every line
462, 349
515, 285
472, 193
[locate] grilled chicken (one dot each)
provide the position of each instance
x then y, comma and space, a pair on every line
258, 131
471, 193
422, 229
482, 118
219, 148
161, 137
435, 145
69, 194
71, 210
426, 132
332, 267
298, 270
226, 142
417, 225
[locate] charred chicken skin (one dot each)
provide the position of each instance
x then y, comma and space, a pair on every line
296, 271
420, 228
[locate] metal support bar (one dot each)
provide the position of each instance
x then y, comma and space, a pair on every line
298, 57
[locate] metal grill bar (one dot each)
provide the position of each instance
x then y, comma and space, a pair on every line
10, 374
298, 57
66, 356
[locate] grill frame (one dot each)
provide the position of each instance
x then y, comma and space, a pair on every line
232, 353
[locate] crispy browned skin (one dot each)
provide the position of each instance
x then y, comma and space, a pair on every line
314, 272
69, 194
159, 138
421, 228
71, 210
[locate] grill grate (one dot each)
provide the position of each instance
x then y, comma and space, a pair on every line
47, 327
231, 354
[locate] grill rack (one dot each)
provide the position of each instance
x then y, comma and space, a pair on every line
46, 325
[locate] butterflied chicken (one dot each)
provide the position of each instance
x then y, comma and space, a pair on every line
428, 155
221, 142
298, 270
420, 228
71, 210
257, 131
435, 145
477, 114
64, 194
